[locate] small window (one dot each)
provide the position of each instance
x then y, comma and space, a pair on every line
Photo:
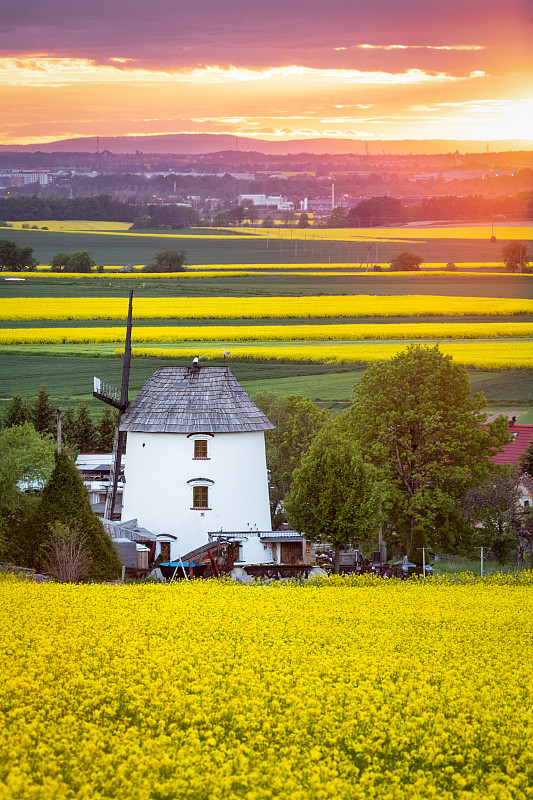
200, 448
199, 497
165, 550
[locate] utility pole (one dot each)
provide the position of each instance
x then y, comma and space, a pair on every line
423, 560
110, 395
481, 554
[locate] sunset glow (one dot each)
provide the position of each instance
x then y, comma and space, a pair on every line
277, 73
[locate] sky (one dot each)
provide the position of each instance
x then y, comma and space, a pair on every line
282, 69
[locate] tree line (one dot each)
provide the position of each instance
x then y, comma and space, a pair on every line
391, 211
101, 207
79, 433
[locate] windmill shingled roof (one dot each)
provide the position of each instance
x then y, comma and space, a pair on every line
190, 400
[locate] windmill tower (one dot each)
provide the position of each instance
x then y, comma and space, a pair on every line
119, 400
195, 456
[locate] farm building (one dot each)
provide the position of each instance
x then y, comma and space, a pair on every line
195, 459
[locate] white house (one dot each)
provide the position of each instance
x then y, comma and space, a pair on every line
195, 458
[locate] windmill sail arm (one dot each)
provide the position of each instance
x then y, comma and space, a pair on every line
108, 394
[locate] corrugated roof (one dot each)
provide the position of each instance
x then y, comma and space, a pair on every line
522, 435
128, 530
193, 400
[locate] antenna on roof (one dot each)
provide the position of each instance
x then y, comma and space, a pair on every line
110, 394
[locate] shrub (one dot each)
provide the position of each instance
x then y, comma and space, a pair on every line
67, 560
167, 261
406, 262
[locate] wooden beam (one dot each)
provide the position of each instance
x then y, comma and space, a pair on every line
119, 435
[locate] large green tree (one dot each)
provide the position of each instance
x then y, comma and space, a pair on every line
26, 457
416, 421
297, 420
335, 496
26, 460
15, 258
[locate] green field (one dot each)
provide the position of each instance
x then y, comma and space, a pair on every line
70, 379
214, 247
517, 286
68, 369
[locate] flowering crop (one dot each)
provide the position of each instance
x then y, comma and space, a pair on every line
489, 355
73, 225
348, 690
259, 307
244, 333
246, 270
409, 235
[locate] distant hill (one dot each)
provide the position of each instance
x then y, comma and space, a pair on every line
196, 144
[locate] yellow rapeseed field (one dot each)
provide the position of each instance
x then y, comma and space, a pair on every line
72, 225
243, 333
411, 234
350, 690
240, 270
488, 355
258, 307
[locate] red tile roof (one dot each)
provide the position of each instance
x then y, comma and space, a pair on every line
522, 435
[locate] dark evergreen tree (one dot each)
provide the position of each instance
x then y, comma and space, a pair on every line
84, 430
105, 430
43, 414
68, 428
65, 500
16, 411
418, 541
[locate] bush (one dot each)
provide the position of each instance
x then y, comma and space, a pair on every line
450, 267
79, 261
67, 560
406, 262
167, 261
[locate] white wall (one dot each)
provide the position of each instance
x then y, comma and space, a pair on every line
157, 492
